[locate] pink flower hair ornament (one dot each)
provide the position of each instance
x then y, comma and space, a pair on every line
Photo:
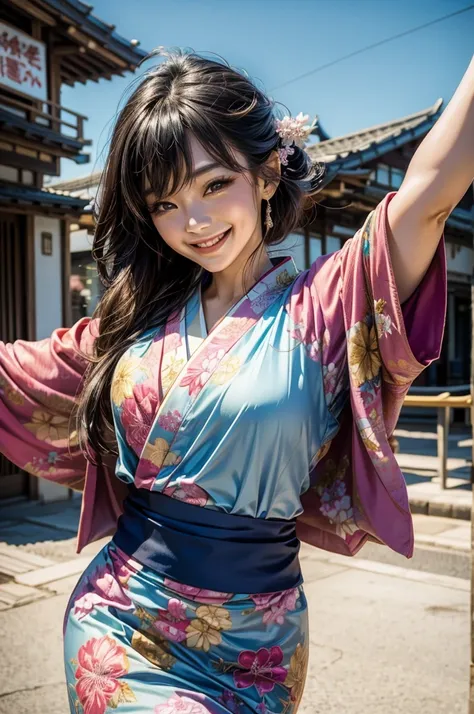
292, 132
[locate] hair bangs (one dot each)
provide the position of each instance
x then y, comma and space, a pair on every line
159, 159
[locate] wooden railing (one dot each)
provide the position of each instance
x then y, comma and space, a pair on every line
49, 114
443, 402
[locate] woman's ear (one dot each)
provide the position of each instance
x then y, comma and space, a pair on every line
271, 173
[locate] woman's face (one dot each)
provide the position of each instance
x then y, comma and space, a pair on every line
214, 220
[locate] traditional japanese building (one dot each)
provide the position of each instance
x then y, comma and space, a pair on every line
43, 45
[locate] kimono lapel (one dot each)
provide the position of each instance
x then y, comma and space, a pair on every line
183, 379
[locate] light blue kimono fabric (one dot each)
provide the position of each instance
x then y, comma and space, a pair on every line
239, 437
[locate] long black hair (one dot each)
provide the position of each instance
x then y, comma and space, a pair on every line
145, 279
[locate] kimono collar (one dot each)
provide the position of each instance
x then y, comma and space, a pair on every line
277, 278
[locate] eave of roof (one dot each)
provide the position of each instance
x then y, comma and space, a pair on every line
26, 195
80, 14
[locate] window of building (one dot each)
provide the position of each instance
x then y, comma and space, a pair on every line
332, 244
315, 248
9, 173
27, 177
397, 178
383, 175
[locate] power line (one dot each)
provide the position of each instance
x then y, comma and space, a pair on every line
370, 47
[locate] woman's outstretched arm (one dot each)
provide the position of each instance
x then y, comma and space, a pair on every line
438, 176
39, 387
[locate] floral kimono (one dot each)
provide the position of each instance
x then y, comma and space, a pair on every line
282, 411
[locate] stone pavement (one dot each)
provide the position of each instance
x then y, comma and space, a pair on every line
383, 639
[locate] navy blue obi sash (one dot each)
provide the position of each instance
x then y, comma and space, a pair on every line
206, 548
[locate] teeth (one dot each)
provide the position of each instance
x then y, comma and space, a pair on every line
210, 242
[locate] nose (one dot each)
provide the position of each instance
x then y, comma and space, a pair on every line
196, 223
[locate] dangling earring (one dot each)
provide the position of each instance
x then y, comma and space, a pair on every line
268, 218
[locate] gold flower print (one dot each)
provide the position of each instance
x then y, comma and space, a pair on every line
170, 370
383, 321
125, 378
394, 367
322, 451
295, 679
159, 454
285, 278
228, 367
154, 647
364, 356
368, 436
11, 394
51, 428
205, 629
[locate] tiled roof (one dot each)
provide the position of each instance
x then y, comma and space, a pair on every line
78, 184
369, 143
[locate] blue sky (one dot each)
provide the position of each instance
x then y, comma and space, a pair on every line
276, 40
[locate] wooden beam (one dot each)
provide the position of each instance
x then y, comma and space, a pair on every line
66, 50
35, 11
66, 272
13, 158
94, 47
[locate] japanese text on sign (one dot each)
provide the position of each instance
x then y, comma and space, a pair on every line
22, 62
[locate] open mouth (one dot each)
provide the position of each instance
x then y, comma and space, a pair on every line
211, 245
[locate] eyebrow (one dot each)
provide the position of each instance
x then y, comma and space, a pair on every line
203, 170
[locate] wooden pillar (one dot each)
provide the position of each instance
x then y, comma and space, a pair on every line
471, 684
66, 272
443, 433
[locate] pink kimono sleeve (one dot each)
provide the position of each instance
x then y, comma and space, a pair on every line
371, 349
39, 385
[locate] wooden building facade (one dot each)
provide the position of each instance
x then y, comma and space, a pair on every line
43, 45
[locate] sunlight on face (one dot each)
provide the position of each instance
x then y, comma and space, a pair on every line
217, 204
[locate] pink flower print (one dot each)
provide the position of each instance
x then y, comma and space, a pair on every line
188, 492
275, 605
230, 701
138, 413
264, 300
181, 705
100, 663
172, 623
206, 597
329, 380
173, 339
170, 421
197, 376
306, 336
262, 669
235, 328
336, 504
106, 590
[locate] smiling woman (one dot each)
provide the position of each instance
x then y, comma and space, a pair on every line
227, 405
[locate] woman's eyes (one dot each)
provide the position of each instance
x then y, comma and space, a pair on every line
213, 187
222, 183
